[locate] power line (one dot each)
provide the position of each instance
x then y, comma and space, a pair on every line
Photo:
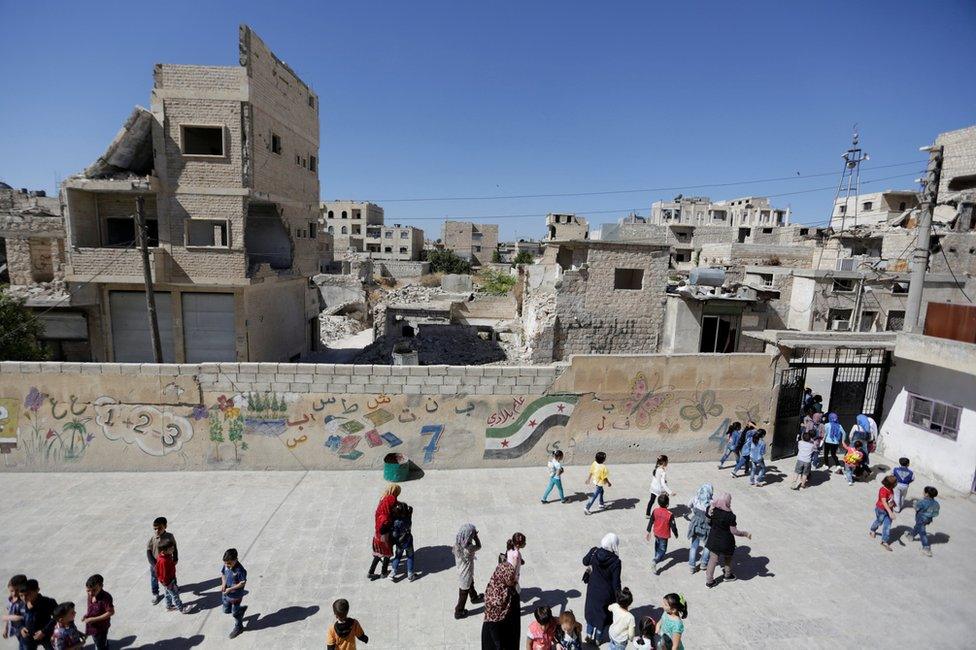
492, 197
959, 285
632, 209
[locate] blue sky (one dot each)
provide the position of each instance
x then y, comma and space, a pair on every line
458, 99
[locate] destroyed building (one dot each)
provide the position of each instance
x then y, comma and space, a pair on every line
874, 209
226, 162
561, 227
589, 296
32, 262
744, 212
473, 242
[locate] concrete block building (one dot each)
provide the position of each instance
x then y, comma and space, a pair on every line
394, 243
874, 209
226, 162
347, 222
749, 211
474, 242
561, 227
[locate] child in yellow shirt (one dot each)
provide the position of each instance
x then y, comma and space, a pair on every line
599, 476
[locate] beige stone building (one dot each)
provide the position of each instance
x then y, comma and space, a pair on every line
474, 242
227, 164
743, 212
395, 243
874, 209
347, 222
561, 227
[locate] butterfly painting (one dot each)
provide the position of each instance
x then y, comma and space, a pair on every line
645, 400
749, 414
702, 406
667, 426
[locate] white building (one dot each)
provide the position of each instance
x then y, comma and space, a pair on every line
702, 211
931, 409
872, 209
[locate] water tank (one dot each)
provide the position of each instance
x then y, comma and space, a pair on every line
707, 277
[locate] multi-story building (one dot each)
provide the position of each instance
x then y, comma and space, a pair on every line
474, 242
563, 227
508, 251
744, 212
875, 209
396, 242
226, 164
346, 221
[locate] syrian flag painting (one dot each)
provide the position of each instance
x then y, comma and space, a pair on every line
517, 438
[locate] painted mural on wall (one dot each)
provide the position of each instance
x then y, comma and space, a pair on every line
649, 414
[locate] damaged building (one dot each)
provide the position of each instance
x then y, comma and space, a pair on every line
226, 163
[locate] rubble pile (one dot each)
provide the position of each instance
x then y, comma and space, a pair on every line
454, 345
334, 328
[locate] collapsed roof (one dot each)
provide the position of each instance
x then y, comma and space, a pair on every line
130, 152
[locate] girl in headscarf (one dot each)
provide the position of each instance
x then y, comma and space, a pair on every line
466, 544
833, 435
865, 430
720, 540
383, 525
602, 584
500, 630
698, 528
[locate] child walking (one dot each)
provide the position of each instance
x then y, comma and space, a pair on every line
744, 451
659, 483
698, 528
570, 635
343, 633
806, 450
101, 609
925, 511
233, 577
883, 516
13, 620
513, 554
599, 476
905, 477
733, 438
662, 526
852, 460
671, 627
65, 635
756, 453
834, 435
543, 630
466, 546
555, 476
166, 575
402, 538
152, 553
622, 629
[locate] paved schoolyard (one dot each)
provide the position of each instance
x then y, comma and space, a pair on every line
809, 578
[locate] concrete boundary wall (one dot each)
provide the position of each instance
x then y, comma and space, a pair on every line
287, 416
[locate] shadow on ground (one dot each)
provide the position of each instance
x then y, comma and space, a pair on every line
284, 616
556, 599
433, 559
746, 566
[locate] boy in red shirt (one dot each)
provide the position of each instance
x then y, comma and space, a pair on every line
662, 526
883, 514
166, 574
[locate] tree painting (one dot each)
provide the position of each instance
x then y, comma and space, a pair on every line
226, 415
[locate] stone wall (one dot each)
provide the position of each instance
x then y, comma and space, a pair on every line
144, 417
401, 268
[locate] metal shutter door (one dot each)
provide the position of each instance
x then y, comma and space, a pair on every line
130, 326
208, 327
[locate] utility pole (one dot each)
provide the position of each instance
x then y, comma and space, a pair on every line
143, 237
920, 256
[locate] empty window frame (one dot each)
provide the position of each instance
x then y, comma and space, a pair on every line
867, 206
311, 101
843, 285
388, 249
275, 143
331, 214
356, 229
767, 231
388, 234
120, 232
404, 234
899, 287
896, 321
629, 279
313, 163
313, 229
476, 249
207, 233
202, 140
719, 334
932, 415
403, 250
839, 320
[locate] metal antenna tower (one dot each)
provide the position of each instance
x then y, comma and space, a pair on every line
853, 158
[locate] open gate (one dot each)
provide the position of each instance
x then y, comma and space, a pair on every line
857, 387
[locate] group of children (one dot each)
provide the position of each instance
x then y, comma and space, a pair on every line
564, 632
748, 444
891, 499
37, 621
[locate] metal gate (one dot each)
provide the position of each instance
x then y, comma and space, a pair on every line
788, 411
857, 387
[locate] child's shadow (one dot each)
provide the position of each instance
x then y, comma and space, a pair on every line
681, 510
747, 566
556, 599
283, 616
677, 556
773, 475
206, 599
903, 535
433, 559
628, 503
578, 497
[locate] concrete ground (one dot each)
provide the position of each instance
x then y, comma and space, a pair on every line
809, 578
